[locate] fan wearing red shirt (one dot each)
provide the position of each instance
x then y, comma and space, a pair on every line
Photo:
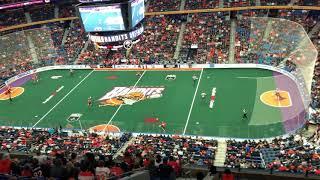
227, 175
5, 164
175, 166
85, 174
283, 168
163, 125
116, 170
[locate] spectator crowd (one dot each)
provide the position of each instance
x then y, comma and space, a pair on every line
45, 153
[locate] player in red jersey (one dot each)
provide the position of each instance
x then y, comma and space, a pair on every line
163, 125
90, 102
35, 78
278, 95
9, 92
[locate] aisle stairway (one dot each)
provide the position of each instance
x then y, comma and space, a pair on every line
33, 50
180, 39
84, 49
123, 148
183, 3
267, 30
292, 2
258, 3
28, 17
314, 30
221, 153
232, 42
56, 12
221, 4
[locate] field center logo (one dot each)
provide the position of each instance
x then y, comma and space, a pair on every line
129, 95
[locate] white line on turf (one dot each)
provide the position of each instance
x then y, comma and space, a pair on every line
121, 104
58, 90
80, 124
51, 96
194, 97
63, 98
48, 99
266, 77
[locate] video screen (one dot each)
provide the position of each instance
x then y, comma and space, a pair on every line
102, 18
137, 11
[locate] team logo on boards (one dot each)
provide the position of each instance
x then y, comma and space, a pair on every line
74, 117
171, 77
130, 95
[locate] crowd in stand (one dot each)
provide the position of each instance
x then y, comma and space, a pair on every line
238, 3
165, 5
294, 154
17, 16
67, 11
12, 17
243, 154
159, 39
58, 154
315, 104
210, 33
183, 149
201, 4
54, 153
274, 2
9, 1
164, 156
75, 41
41, 13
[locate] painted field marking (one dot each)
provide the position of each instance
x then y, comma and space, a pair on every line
123, 104
62, 99
80, 124
60, 88
244, 77
15, 92
279, 104
194, 97
52, 95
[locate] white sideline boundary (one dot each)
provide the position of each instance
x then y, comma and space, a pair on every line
45, 115
191, 107
244, 77
115, 113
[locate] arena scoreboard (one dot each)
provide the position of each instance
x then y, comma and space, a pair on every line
112, 21
109, 16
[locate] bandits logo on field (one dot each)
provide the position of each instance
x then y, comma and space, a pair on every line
129, 95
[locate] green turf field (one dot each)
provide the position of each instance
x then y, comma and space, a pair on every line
180, 105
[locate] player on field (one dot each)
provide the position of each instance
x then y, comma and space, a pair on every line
90, 102
278, 94
163, 125
71, 72
244, 114
203, 95
9, 92
194, 78
35, 78
138, 74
